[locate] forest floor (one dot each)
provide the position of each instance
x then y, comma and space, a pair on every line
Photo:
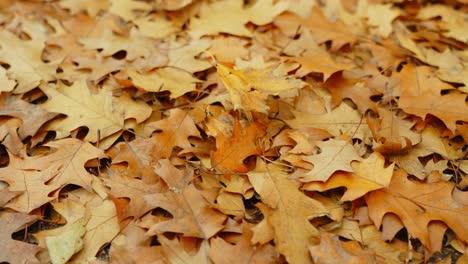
256, 131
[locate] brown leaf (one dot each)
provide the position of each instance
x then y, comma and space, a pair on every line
418, 204
231, 151
192, 215
291, 211
16, 251
331, 251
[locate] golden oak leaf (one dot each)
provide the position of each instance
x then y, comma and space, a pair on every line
243, 251
132, 245
174, 131
341, 120
174, 80
417, 204
415, 81
101, 227
394, 253
102, 113
335, 155
432, 142
125, 186
368, 175
126, 8
319, 61
449, 108
192, 214
322, 29
291, 211
392, 133
176, 253
331, 251
184, 55
381, 16
249, 88
32, 115
453, 22
14, 251
63, 242
138, 156
135, 45
24, 58
342, 87
156, 26
213, 19
69, 157
231, 151
31, 184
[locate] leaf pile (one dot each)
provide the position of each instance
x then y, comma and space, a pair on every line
233, 131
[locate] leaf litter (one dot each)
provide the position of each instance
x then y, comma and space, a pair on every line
232, 131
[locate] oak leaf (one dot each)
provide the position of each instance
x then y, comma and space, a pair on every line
342, 87
31, 184
213, 20
391, 132
322, 29
192, 214
16, 251
33, 116
68, 157
136, 190
452, 20
174, 80
418, 204
243, 251
172, 131
231, 151
102, 113
24, 58
291, 211
63, 242
249, 88
341, 120
368, 175
184, 55
331, 251
175, 252
99, 217
449, 108
335, 155
321, 62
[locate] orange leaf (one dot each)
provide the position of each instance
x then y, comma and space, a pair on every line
232, 151
417, 204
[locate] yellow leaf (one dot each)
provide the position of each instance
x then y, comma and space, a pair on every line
101, 113
249, 88
291, 212
177, 81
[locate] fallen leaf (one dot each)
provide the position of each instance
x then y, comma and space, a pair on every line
192, 215
16, 251
291, 212
417, 205
231, 151
330, 251
101, 113
335, 155
368, 175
